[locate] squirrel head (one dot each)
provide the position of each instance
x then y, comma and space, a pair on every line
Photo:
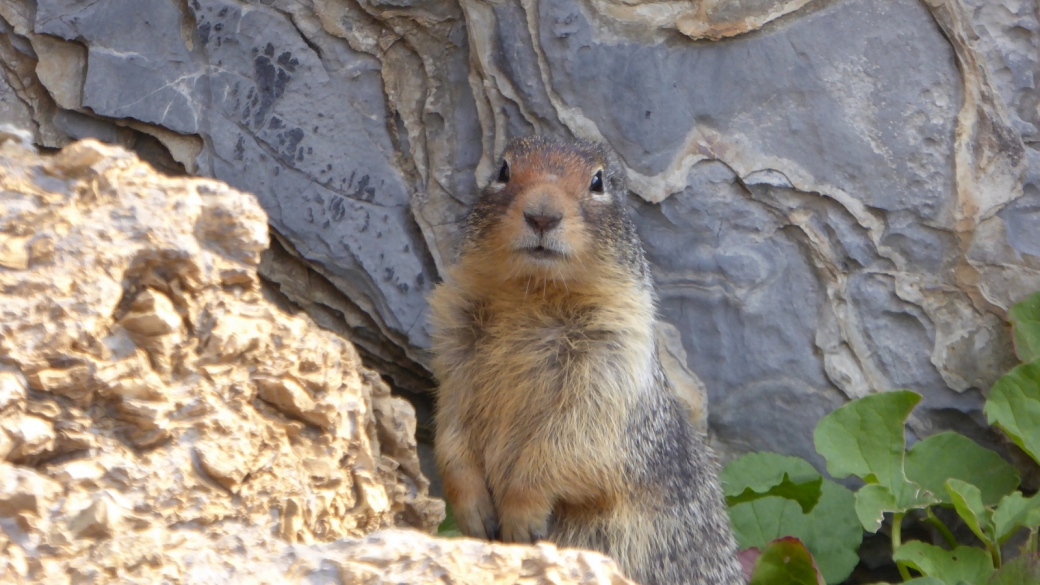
554, 210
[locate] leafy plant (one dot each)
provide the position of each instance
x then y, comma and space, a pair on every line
773, 496
777, 501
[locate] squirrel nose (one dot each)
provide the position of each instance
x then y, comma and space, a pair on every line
542, 222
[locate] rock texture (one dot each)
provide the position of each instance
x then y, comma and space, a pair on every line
839, 197
150, 395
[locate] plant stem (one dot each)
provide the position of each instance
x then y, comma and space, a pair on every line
942, 528
897, 532
994, 551
1032, 542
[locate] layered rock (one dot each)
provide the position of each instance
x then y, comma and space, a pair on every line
839, 197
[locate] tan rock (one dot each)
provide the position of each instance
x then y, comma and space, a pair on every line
6, 445
97, 520
23, 490
73, 382
12, 389
14, 252
109, 225
151, 314
61, 68
30, 435
289, 397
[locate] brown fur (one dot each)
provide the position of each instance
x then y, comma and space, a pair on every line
554, 417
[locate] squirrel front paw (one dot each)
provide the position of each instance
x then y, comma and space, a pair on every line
476, 516
470, 501
525, 529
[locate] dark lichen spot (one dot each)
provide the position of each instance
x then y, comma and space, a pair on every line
293, 138
204, 32
338, 208
286, 61
270, 85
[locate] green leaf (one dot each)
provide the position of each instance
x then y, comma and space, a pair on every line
966, 563
967, 500
872, 501
785, 561
1014, 406
757, 475
1025, 327
1024, 570
831, 531
759, 522
866, 438
948, 455
449, 527
1013, 512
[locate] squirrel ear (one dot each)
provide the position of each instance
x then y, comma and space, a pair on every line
503, 174
597, 182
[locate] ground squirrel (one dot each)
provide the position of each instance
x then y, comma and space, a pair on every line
554, 418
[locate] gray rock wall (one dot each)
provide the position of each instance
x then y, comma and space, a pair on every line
839, 197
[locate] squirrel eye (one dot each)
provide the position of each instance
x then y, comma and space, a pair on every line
503, 175
597, 182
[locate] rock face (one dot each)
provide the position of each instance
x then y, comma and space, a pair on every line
839, 197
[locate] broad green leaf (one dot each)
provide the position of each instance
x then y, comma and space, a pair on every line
757, 475
948, 455
866, 438
759, 522
1025, 327
967, 500
966, 563
919, 581
785, 561
1014, 406
1013, 512
1024, 570
449, 527
831, 531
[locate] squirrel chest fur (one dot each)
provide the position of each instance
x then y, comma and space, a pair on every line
555, 420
